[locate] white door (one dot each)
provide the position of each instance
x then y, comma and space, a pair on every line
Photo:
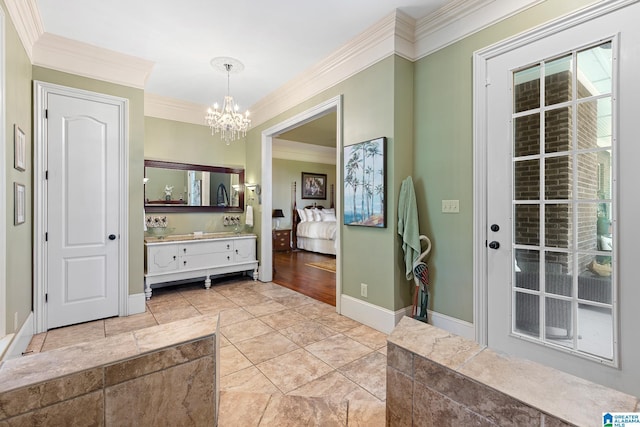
555, 125
83, 143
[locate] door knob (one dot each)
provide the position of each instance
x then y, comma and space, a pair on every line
495, 227
494, 245
112, 237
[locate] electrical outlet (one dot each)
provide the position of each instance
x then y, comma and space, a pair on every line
363, 289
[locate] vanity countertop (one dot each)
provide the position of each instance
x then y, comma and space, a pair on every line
191, 236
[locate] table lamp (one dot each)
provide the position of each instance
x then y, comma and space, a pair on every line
277, 214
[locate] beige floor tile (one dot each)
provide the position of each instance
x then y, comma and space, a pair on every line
119, 325
293, 301
233, 289
370, 372
334, 385
283, 319
383, 350
244, 330
265, 347
247, 298
316, 309
338, 322
279, 292
292, 370
308, 332
367, 413
249, 380
267, 307
367, 336
232, 360
35, 345
338, 350
261, 287
167, 304
232, 315
241, 408
63, 337
295, 411
177, 313
224, 341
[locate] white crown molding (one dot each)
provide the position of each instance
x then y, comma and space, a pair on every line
172, 109
71, 56
301, 152
26, 19
460, 19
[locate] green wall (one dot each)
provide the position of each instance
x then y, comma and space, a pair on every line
19, 271
443, 160
287, 171
188, 143
368, 254
136, 146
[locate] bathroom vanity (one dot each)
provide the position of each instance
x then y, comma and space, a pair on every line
180, 257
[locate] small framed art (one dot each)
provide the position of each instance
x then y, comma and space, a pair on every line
19, 149
314, 185
19, 200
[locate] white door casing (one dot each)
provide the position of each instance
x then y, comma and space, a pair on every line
493, 155
81, 201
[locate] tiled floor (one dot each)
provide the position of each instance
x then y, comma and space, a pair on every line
286, 359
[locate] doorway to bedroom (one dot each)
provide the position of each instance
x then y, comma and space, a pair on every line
305, 145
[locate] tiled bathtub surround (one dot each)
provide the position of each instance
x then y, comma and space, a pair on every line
436, 378
164, 374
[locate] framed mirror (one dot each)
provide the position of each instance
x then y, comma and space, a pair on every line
183, 187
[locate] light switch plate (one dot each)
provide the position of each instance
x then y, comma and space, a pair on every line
451, 206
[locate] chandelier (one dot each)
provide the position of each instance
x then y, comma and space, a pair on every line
227, 121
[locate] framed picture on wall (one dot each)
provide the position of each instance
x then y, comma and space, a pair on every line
19, 149
314, 185
19, 203
365, 180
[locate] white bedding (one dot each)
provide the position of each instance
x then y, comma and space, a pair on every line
317, 230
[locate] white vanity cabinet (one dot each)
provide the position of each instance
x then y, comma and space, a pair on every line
187, 257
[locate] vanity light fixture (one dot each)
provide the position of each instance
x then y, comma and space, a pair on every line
227, 121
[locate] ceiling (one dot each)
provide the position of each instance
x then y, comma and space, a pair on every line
276, 40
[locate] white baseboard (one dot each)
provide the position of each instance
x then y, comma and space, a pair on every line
21, 339
453, 325
384, 320
379, 318
137, 304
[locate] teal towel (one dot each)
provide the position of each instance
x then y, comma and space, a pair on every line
408, 225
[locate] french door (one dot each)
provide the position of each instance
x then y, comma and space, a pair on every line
555, 121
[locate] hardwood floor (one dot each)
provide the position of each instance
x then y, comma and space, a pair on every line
293, 273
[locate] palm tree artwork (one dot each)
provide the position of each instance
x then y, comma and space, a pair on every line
364, 183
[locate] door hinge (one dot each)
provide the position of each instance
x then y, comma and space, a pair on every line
487, 82
46, 297
46, 236
485, 243
46, 113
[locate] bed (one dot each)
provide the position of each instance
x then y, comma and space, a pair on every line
314, 227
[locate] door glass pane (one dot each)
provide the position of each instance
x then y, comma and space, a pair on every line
557, 178
557, 130
526, 135
558, 228
588, 226
527, 266
526, 89
594, 283
558, 81
595, 128
527, 314
595, 330
527, 179
595, 70
527, 225
558, 321
557, 274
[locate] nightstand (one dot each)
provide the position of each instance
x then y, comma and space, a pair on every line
281, 240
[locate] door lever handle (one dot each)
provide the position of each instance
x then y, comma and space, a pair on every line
112, 237
494, 245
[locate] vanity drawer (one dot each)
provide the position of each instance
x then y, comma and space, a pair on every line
211, 260
162, 258
208, 247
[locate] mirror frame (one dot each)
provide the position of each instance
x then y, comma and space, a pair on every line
188, 167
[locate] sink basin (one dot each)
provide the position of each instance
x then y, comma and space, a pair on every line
159, 232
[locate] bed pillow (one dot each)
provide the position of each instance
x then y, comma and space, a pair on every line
328, 216
317, 216
302, 215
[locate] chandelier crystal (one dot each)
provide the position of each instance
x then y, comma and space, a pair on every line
227, 121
